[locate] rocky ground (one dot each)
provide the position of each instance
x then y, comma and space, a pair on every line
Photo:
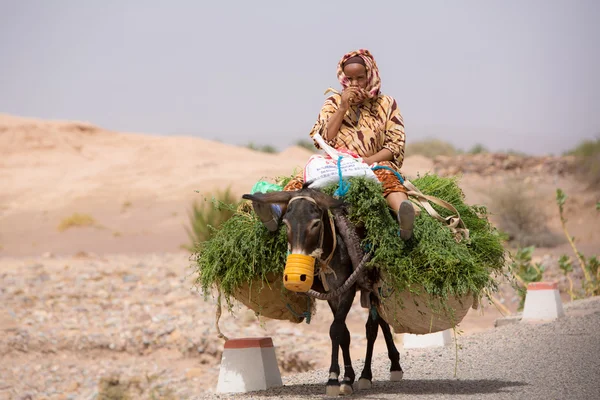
487, 164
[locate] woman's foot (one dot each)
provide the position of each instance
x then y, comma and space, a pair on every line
268, 214
406, 219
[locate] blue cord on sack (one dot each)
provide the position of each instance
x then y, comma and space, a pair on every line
343, 186
400, 178
306, 314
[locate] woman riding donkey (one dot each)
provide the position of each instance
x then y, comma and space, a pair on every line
368, 123
365, 122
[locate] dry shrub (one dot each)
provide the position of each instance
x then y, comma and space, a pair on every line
117, 387
431, 148
518, 214
207, 216
294, 362
588, 162
76, 221
114, 387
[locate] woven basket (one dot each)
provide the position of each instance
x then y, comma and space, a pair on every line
420, 313
270, 299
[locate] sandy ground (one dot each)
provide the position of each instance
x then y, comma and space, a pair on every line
118, 297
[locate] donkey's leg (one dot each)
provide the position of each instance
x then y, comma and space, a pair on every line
349, 375
372, 328
340, 336
396, 372
333, 384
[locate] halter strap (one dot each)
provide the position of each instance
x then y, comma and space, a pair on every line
303, 197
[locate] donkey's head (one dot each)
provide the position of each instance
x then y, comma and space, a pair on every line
304, 218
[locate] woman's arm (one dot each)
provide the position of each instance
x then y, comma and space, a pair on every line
335, 123
382, 155
350, 96
395, 137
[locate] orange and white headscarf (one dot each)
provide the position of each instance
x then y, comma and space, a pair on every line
373, 80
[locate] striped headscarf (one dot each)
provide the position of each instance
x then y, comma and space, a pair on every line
373, 80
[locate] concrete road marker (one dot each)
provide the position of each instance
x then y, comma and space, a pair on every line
436, 339
542, 302
248, 364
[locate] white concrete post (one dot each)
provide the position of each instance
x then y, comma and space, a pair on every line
248, 364
542, 302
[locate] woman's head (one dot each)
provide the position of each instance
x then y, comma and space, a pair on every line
358, 69
355, 71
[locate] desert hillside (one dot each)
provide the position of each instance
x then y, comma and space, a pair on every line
138, 188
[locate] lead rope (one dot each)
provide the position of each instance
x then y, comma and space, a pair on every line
324, 267
218, 316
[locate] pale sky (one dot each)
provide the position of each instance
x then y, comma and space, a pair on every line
508, 74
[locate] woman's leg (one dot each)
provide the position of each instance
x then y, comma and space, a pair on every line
397, 198
394, 199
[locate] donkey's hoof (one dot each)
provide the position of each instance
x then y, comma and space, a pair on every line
364, 384
332, 390
346, 389
396, 376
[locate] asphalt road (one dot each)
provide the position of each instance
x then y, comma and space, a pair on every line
557, 360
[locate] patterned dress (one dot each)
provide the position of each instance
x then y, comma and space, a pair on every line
366, 129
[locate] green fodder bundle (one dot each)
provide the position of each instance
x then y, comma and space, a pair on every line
432, 259
240, 251
243, 252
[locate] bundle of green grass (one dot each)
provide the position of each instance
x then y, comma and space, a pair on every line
433, 263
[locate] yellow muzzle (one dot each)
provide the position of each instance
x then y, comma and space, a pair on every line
299, 273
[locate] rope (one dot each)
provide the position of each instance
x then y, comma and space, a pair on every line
324, 267
400, 178
218, 316
343, 186
306, 314
453, 222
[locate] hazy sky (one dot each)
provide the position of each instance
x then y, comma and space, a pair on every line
511, 74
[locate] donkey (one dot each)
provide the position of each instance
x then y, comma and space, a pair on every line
310, 232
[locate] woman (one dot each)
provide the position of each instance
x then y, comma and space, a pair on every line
365, 121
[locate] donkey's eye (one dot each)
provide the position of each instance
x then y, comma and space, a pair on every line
315, 225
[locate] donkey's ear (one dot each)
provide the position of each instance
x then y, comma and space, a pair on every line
326, 201
271, 197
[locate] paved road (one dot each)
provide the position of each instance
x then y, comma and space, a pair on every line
558, 360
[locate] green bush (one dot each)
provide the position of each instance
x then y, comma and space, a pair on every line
306, 144
525, 272
590, 266
263, 148
478, 149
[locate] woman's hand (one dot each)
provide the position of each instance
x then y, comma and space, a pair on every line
351, 96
